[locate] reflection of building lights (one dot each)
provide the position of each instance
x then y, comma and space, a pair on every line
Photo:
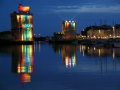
25, 77
69, 56
25, 66
83, 53
113, 54
67, 62
113, 32
99, 52
83, 50
70, 61
80, 48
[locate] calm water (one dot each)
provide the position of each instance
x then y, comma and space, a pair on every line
59, 67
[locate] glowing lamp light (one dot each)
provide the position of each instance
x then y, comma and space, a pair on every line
27, 25
31, 25
68, 25
22, 8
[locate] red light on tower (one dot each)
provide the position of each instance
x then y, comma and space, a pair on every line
22, 8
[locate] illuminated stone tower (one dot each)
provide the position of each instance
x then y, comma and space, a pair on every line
22, 24
68, 25
69, 29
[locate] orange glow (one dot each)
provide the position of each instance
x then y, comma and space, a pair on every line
68, 24
25, 77
22, 8
19, 68
31, 36
18, 18
65, 24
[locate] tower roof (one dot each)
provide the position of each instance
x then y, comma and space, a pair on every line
24, 9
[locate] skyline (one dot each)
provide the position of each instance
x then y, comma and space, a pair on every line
45, 12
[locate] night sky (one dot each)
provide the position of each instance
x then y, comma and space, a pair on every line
48, 14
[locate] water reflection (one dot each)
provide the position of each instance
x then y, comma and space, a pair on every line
99, 51
100, 59
89, 59
68, 54
23, 61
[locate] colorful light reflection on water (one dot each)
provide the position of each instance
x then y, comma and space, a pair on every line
25, 62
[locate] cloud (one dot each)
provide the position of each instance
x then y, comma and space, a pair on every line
87, 9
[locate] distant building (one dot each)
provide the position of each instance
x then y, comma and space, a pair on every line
98, 32
22, 24
68, 26
58, 35
69, 29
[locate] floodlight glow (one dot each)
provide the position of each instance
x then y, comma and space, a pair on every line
22, 8
25, 22
69, 25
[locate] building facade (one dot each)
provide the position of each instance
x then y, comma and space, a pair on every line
101, 32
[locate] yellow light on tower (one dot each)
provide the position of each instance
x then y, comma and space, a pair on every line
18, 17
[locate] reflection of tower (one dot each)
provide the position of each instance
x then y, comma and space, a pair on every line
22, 24
69, 55
23, 62
69, 29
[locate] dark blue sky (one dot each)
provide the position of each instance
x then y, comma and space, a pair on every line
48, 14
